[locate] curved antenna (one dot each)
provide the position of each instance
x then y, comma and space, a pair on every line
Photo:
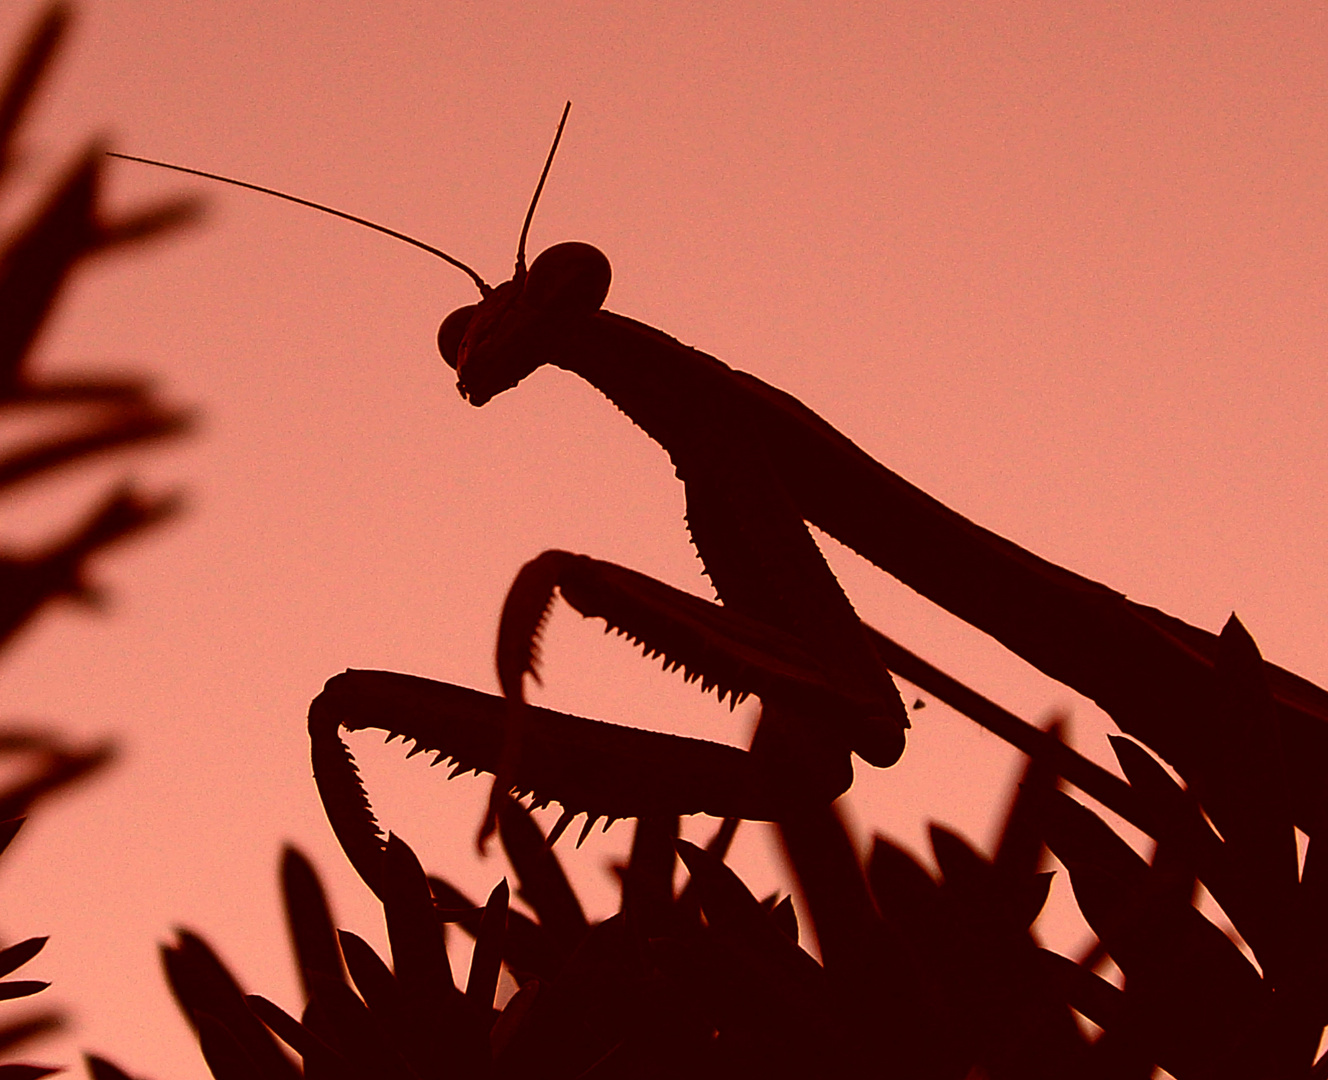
530, 213
485, 290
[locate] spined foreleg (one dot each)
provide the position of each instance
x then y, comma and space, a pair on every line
586, 766
610, 771
814, 721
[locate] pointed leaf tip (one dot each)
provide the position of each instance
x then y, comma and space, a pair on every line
14, 957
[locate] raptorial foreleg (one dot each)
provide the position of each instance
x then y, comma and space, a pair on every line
586, 766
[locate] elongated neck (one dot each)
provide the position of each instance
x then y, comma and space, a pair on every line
670, 390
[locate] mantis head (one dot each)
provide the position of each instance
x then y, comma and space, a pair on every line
515, 327
521, 324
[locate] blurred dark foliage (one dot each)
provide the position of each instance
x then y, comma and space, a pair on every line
35, 265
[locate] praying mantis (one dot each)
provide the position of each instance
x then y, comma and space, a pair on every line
758, 465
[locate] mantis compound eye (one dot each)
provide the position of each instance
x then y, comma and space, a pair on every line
452, 331
570, 278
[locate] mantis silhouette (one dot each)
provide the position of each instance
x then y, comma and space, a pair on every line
758, 464
1151, 672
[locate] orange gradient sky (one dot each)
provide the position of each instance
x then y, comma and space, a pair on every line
1060, 265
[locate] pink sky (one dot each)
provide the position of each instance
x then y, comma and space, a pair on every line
1060, 265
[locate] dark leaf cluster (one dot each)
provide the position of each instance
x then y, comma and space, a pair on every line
36, 263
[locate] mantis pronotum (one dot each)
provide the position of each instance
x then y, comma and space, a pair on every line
757, 465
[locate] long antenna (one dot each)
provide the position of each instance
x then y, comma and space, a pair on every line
530, 213
485, 290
